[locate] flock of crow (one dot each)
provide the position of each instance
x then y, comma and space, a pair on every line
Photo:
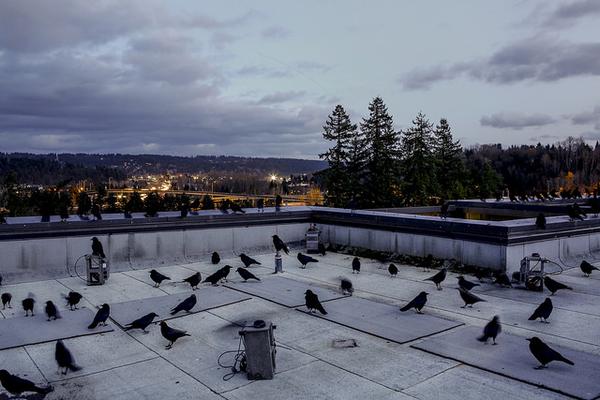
65, 361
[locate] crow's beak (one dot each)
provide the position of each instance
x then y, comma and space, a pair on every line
529, 340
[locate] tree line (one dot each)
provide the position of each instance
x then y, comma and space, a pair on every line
371, 165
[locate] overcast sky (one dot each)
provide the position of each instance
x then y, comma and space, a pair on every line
258, 78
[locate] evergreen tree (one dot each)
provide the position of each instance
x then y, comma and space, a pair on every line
339, 130
356, 171
418, 165
135, 203
381, 142
152, 204
450, 169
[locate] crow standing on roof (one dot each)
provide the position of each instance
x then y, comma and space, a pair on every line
543, 311
6, 299
540, 221
491, 330
142, 322
468, 297
215, 258
346, 286
171, 334
444, 210
15, 385
235, 207
73, 298
51, 311
97, 249
393, 270
322, 250
313, 303
356, 265
245, 274
64, 359
417, 303
157, 277
438, 278
28, 304
503, 280
574, 212
587, 268
186, 305
280, 245
194, 280
304, 259
101, 316
465, 284
544, 353
248, 261
554, 286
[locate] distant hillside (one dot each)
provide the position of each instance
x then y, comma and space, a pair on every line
52, 168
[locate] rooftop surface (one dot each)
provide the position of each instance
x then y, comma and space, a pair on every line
133, 365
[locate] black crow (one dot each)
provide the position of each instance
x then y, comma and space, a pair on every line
245, 274
215, 258
236, 208
73, 299
503, 280
587, 268
171, 334
465, 284
304, 259
544, 354
280, 245
97, 249
346, 286
28, 305
64, 359
427, 262
6, 299
543, 311
186, 305
356, 265
322, 250
444, 210
540, 221
215, 278
393, 270
313, 303
248, 261
15, 385
157, 277
468, 297
101, 316
51, 311
574, 213
225, 272
142, 322
553, 286
480, 275
417, 303
194, 280
438, 278
491, 330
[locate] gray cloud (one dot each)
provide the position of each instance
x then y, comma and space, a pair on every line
136, 81
281, 97
540, 59
588, 118
569, 13
275, 32
516, 120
